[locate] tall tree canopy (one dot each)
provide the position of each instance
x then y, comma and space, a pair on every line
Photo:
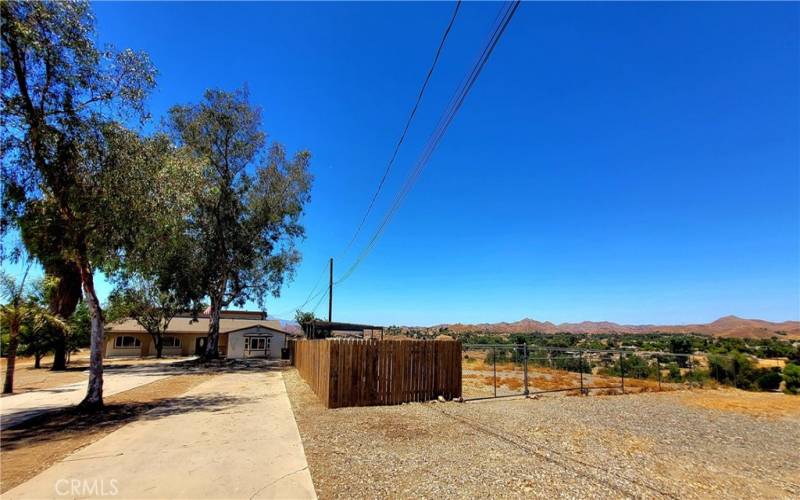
83, 189
247, 216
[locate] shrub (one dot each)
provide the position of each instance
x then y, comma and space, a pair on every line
498, 355
734, 369
674, 374
769, 381
791, 375
572, 364
698, 377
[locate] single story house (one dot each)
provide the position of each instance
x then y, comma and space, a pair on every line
242, 334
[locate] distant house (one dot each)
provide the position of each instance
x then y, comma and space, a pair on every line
242, 334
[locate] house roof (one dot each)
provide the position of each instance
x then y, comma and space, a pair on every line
187, 325
266, 328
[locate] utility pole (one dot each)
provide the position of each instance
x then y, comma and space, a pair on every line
330, 294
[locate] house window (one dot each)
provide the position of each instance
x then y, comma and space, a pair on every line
127, 342
256, 343
169, 341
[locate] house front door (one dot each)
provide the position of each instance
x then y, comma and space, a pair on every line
256, 347
199, 346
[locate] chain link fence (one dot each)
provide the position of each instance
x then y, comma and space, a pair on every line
503, 370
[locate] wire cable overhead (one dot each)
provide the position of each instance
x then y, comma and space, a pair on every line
507, 13
409, 120
405, 129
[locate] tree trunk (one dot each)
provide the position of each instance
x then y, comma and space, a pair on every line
37, 360
60, 353
94, 392
158, 340
63, 302
13, 341
212, 340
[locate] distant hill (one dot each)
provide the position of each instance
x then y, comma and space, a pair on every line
728, 326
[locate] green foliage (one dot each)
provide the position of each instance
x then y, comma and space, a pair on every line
15, 309
791, 376
246, 218
674, 373
697, 377
61, 100
41, 331
633, 366
769, 381
572, 364
734, 369
303, 318
80, 328
497, 355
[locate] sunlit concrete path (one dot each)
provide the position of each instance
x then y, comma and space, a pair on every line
233, 436
17, 408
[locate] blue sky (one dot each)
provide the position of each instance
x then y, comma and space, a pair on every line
631, 162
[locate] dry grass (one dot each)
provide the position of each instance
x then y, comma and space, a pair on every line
477, 382
755, 404
512, 383
40, 442
772, 363
478, 364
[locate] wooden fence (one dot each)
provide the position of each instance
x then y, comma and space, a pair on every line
354, 372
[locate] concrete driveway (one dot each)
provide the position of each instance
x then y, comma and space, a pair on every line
17, 408
233, 436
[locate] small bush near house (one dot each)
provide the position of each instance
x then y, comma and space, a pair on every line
791, 375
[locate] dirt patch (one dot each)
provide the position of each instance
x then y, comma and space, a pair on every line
756, 404
38, 443
27, 378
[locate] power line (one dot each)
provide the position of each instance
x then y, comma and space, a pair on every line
316, 306
319, 280
405, 129
456, 102
396, 148
310, 296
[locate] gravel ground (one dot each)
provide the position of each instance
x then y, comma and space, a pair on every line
644, 445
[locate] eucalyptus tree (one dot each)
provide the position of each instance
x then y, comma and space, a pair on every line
81, 187
247, 217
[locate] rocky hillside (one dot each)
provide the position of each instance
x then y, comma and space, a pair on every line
728, 326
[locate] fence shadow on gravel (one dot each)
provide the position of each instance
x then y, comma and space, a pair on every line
357, 372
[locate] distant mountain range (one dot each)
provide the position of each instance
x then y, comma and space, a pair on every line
728, 326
